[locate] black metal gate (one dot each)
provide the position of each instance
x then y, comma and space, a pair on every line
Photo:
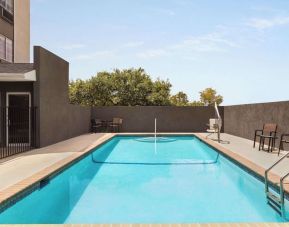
17, 130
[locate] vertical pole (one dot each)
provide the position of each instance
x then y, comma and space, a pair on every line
155, 136
155, 128
219, 122
219, 133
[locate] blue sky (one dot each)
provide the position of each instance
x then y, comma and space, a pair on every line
240, 48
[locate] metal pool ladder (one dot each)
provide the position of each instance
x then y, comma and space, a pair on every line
277, 202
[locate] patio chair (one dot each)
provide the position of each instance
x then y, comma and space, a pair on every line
116, 124
284, 139
96, 125
269, 132
213, 127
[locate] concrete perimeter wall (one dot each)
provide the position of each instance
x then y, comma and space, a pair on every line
57, 119
239, 120
170, 119
243, 120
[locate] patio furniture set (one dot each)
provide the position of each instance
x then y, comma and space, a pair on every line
114, 125
268, 136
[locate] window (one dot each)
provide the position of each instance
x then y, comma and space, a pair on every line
8, 5
2, 47
6, 49
3, 3
9, 50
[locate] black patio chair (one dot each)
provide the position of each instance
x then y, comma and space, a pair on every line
268, 133
96, 125
115, 124
284, 139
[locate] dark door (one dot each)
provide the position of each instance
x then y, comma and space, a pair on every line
18, 118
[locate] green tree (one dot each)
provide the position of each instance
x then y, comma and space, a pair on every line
132, 87
196, 103
97, 91
161, 92
129, 87
209, 96
78, 92
101, 89
179, 99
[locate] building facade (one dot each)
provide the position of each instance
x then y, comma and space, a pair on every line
34, 104
14, 31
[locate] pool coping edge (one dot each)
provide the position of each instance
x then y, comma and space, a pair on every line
16, 192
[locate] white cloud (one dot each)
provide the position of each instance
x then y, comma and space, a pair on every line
73, 46
213, 42
187, 48
133, 44
95, 55
266, 9
260, 23
153, 53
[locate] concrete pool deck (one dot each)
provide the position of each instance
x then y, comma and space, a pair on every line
20, 167
20, 172
244, 148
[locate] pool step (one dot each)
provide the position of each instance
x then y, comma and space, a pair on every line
275, 208
274, 202
274, 199
277, 202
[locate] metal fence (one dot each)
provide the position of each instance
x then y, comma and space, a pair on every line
17, 130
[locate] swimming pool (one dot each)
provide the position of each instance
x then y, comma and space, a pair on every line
131, 180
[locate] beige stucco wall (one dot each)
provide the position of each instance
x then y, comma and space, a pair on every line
21, 31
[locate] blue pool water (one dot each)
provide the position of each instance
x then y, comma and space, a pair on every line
131, 181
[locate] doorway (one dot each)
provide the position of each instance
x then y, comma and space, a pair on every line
18, 117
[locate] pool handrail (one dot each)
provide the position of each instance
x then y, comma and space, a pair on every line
282, 192
219, 122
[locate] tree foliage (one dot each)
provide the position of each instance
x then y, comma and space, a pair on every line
209, 96
160, 95
197, 103
133, 87
129, 87
180, 99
